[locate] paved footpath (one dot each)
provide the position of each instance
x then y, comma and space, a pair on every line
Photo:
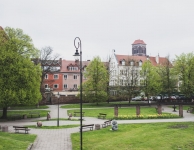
59, 139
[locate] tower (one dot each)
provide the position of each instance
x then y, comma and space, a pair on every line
139, 48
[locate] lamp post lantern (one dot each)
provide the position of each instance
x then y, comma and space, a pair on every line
77, 54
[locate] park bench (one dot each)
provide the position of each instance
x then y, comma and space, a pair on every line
34, 113
190, 109
101, 115
17, 128
88, 126
106, 123
76, 112
16, 116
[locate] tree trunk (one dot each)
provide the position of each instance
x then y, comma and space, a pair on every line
4, 115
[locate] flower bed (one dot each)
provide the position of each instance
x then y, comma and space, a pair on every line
155, 116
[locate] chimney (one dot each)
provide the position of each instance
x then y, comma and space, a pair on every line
157, 59
148, 57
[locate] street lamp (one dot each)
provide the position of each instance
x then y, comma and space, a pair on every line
77, 57
58, 96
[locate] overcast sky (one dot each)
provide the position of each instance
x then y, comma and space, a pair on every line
166, 26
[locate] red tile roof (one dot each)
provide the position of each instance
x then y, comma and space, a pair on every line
1, 28
66, 63
139, 42
162, 60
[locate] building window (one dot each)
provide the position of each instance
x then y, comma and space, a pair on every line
65, 86
140, 63
132, 63
123, 62
65, 76
46, 76
46, 86
74, 76
75, 86
56, 76
55, 86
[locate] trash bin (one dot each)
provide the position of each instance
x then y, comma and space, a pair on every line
25, 116
97, 126
4, 128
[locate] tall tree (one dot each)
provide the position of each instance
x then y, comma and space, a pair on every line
20, 77
150, 80
94, 89
167, 77
49, 65
184, 66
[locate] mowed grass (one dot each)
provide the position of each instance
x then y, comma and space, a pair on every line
43, 113
28, 107
53, 127
12, 141
148, 136
110, 111
94, 105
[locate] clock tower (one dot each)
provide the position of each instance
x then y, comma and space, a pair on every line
139, 48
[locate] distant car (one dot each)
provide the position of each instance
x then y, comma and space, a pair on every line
137, 98
172, 97
152, 98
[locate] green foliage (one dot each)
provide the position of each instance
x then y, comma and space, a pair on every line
96, 85
168, 77
20, 77
150, 77
184, 66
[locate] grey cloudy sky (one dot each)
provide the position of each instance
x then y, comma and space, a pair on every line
166, 26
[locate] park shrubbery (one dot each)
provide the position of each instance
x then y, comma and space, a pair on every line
153, 116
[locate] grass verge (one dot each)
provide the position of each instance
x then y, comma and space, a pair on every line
12, 141
53, 127
148, 136
129, 111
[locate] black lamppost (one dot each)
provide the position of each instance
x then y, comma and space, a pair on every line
77, 54
58, 96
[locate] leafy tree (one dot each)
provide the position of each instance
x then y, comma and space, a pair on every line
94, 89
184, 66
167, 77
48, 63
150, 80
20, 77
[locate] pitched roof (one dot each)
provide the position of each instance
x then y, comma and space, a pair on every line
162, 60
139, 42
66, 63
1, 28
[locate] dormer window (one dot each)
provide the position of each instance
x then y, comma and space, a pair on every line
132, 63
123, 62
140, 63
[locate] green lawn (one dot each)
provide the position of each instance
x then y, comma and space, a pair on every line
122, 111
53, 127
43, 113
12, 141
94, 105
148, 136
28, 107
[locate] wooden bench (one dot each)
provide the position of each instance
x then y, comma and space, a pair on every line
91, 126
76, 112
34, 113
16, 116
101, 115
106, 123
17, 128
190, 109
